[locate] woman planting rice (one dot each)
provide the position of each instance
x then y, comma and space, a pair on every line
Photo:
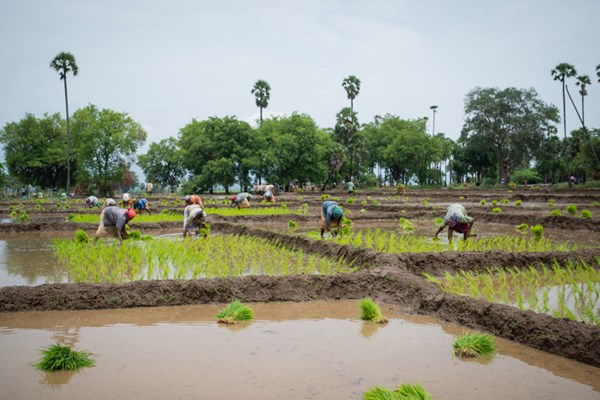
113, 221
458, 221
194, 217
241, 200
331, 218
194, 199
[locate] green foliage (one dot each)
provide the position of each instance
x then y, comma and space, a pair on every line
556, 213
13, 214
474, 345
406, 225
585, 214
596, 204
81, 236
482, 203
163, 163
23, 216
350, 200
494, 203
523, 228
204, 231
505, 201
538, 231
292, 226
518, 202
439, 221
370, 311
134, 235
58, 357
404, 392
571, 209
234, 313
496, 210
551, 203
425, 201
526, 175
324, 196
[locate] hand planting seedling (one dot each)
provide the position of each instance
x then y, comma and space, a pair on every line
234, 313
58, 357
474, 345
405, 391
370, 311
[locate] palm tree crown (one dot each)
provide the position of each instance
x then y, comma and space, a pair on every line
352, 86
262, 92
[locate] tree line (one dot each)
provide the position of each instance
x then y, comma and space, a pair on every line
508, 134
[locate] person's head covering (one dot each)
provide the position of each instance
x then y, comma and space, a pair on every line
337, 212
187, 197
110, 202
453, 220
125, 196
130, 214
233, 198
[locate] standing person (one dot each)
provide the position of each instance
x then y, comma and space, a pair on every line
149, 187
141, 205
269, 196
194, 199
113, 222
127, 202
92, 201
331, 218
24, 193
241, 200
194, 218
350, 187
457, 221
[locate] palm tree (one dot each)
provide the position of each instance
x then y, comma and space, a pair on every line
262, 92
64, 63
559, 73
582, 81
352, 86
598, 71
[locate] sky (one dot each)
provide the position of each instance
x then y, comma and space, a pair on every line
166, 63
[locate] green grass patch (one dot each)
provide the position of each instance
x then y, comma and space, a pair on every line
58, 357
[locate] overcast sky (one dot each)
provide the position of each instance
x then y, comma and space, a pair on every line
168, 62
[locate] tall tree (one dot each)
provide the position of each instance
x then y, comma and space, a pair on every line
345, 133
560, 73
582, 82
163, 163
598, 72
513, 121
64, 63
106, 143
262, 92
352, 86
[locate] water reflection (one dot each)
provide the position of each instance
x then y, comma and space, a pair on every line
30, 262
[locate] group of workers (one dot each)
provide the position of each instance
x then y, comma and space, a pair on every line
113, 219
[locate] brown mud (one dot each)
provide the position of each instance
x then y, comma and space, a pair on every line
391, 278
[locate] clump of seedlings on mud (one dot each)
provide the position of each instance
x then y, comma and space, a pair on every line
370, 311
292, 226
586, 214
59, 357
235, 312
471, 345
556, 213
571, 209
406, 391
81, 236
568, 291
406, 225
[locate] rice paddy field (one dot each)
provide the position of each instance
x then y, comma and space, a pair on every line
146, 309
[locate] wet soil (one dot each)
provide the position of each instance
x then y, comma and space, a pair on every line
392, 278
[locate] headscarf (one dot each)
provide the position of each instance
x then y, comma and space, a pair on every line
336, 212
453, 220
233, 198
130, 214
187, 197
125, 196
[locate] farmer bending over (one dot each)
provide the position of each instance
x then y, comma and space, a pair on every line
194, 219
92, 201
113, 221
241, 200
142, 205
126, 201
331, 218
269, 196
194, 199
457, 221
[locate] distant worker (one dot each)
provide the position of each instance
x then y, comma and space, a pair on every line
350, 187
241, 200
149, 187
126, 201
194, 218
141, 205
194, 199
110, 202
92, 201
113, 222
457, 221
331, 218
269, 196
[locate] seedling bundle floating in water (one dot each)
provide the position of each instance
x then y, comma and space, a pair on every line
406, 391
474, 345
58, 357
234, 313
370, 311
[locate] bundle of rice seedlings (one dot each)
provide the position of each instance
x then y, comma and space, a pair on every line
58, 357
370, 311
405, 391
471, 345
234, 313
81, 236
522, 228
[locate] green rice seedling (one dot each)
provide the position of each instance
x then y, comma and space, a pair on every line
67, 206
58, 205
571, 209
425, 201
474, 345
375, 202
585, 214
496, 210
505, 201
439, 221
523, 228
134, 235
461, 197
81, 236
518, 202
494, 203
362, 211
551, 203
370, 311
482, 203
324, 196
364, 202
596, 204
23, 216
292, 226
13, 214
58, 357
234, 313
433, 279
146, 237
283, 206
556, 213
405, 391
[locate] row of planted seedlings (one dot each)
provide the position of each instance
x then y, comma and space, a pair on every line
206, 257
568, 290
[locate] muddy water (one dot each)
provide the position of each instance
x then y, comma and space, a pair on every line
290, 351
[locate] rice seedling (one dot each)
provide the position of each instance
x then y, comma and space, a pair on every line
518, 203
235, 312
23, 216
324, 196
362, 211
364, 202
81, 236
494, 203
551, 203
13, 214
58, 357
406, 225
406, 391
571, 209
585, 214
134, 235
425, 201
523, 228
505, 201
370, 311
538, 231
596, 204
482, 203
496, 210
461, 197
375, 202
292, 226
474, 345
439, 221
